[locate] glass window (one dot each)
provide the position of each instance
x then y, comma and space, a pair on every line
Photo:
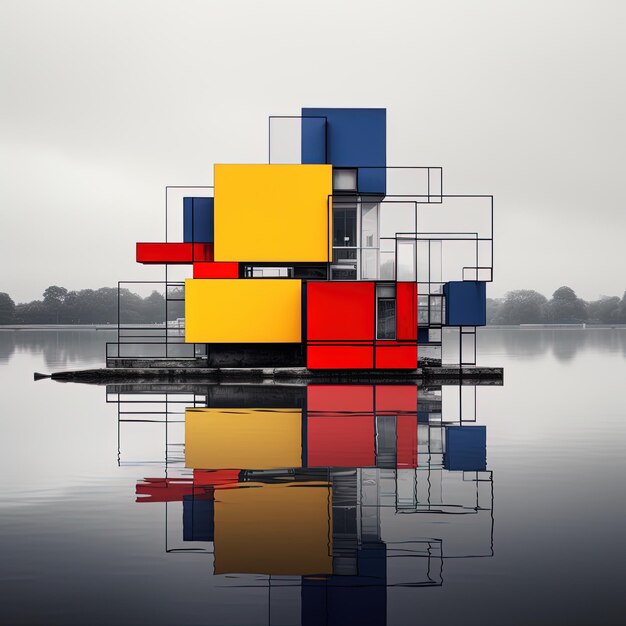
344, 225
344, 264
369, 224
386, 318
344, 180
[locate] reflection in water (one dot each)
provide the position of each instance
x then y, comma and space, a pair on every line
65, 348
60, 348
326, 495
69, 526
564, 344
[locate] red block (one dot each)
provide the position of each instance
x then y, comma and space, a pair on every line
406, 441
340, 398
171, 252
341, 441
395, 355
340, 357
216, 270
394, 399
340, 311
406, 311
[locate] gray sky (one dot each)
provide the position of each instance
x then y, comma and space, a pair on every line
103, 103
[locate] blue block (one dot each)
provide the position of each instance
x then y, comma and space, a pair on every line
372, 180
313, 140
466, 448
198, 519
355, 138
198, 220
466, 303
422, 335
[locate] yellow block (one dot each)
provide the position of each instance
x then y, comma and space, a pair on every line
273, 529
272, 212
243, 311
243, 438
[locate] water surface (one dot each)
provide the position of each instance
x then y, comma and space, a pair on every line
141, 511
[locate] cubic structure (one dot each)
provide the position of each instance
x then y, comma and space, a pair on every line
326, 257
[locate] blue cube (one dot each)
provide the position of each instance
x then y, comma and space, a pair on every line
198, 220
466, 303
354, 138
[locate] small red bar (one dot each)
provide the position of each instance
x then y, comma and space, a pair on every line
406, 299
171, 252
216, 270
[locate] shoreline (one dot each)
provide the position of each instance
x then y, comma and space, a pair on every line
113, 327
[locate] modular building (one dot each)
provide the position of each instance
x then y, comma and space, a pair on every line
326, 257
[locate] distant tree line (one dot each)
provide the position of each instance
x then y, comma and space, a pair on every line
525, 306
91, 306
100, 306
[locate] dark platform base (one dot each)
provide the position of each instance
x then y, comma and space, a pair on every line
455, 375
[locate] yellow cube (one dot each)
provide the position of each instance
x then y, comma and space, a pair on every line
232, 310
275, 213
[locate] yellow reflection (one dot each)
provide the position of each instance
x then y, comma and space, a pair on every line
243, 438
273, 529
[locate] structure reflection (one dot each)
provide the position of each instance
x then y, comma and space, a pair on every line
328, 495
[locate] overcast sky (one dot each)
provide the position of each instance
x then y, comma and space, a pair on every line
103, 103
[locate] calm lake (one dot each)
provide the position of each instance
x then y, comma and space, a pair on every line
322, 505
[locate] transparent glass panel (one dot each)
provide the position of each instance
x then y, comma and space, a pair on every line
387, 259
422, 310
422, 262
344, 264
369, 264
434, 334
435, 260
436, 312
271, 272
450, 344
406, 264
468, 348
428, 352
285, 140
369, 224
345, 256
